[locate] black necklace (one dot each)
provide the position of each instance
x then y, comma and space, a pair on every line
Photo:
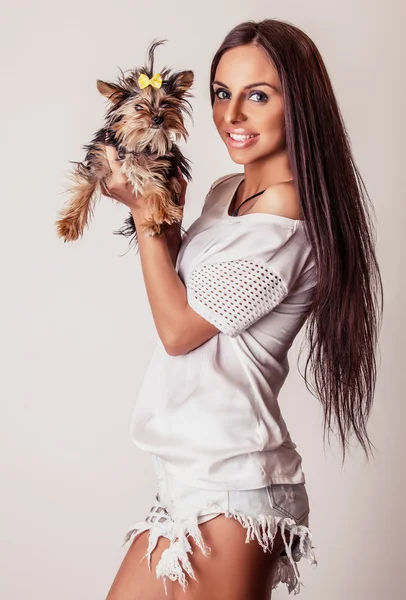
235, 213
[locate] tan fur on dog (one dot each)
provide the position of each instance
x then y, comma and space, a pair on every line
144, 126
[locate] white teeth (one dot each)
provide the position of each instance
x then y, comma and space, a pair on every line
240, 138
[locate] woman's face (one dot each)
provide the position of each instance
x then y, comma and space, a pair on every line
248, 101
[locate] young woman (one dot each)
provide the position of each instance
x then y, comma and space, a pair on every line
287, 241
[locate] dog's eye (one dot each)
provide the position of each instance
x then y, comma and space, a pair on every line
138, 107
165, 105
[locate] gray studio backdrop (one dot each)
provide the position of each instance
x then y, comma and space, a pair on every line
78, 331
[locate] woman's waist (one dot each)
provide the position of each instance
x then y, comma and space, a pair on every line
240, 472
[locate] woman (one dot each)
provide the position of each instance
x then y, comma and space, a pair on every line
287, 241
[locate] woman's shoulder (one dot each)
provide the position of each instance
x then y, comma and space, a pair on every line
281, 199
217, 185
223, 179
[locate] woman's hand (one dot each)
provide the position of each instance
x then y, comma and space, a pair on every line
117, 185
118, 188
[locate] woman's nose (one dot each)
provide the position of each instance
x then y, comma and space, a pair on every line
233, 112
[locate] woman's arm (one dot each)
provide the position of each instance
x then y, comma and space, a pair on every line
180, 328
165, 290
173, 239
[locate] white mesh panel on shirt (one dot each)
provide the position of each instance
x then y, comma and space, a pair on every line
233, 295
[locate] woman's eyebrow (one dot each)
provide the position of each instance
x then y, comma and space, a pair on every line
247, 87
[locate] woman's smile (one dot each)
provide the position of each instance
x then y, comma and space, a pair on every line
241, 141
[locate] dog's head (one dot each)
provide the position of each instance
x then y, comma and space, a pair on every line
148, 109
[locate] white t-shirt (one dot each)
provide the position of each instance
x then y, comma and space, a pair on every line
212, 415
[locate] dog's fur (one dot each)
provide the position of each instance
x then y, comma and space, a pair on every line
143, 125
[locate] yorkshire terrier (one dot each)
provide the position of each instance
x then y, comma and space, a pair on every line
143, 123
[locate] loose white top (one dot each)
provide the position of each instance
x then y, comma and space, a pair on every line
212, 415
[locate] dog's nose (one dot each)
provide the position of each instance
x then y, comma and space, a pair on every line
157, 120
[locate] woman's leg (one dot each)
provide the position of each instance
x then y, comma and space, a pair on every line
134, 581
234, 569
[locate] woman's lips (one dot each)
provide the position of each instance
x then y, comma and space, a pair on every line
242, 143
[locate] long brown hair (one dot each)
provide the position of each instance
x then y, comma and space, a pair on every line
344, 320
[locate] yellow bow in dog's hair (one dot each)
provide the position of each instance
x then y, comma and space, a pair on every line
144, 81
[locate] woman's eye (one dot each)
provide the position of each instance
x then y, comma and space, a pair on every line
218, 92
262, 95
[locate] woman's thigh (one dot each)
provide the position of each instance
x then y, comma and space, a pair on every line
234, 570
134, 580
197, 543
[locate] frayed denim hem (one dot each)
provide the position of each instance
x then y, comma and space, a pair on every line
175, 564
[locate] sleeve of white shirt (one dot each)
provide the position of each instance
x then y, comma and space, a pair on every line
207, 200
233, 294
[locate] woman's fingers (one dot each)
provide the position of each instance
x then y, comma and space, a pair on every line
113, 159
116, 185
116, 181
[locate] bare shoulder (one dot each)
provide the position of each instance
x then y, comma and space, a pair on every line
282, 199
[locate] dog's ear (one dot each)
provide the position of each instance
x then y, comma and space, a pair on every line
113, 92
179, 82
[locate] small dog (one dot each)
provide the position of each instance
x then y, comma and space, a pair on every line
143, 122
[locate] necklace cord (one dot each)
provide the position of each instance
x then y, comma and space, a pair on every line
235, 213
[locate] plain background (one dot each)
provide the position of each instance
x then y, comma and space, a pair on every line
78, 331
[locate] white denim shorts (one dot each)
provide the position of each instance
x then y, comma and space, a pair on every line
179, 509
